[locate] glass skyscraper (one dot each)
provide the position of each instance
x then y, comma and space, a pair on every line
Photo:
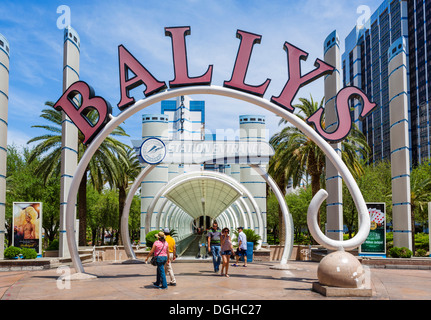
365, 65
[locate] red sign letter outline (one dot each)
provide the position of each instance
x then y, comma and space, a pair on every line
343, 113
248, 40
296, 81
78, 114
179, 53
142, 76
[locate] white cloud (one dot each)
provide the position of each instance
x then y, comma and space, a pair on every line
36, 74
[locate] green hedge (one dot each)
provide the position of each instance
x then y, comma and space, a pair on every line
28, 253
403, 252
150, 238
12, 252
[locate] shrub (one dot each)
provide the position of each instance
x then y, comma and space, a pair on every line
28, 253
403, 252
12, 252
251, 236
421, 241
421, 253
150, 238
54, 245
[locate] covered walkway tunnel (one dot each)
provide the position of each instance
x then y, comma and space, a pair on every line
182, 202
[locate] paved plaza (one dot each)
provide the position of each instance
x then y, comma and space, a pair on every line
197, 281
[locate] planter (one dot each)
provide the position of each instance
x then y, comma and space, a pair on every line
51, 253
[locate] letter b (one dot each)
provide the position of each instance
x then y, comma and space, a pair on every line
78, 113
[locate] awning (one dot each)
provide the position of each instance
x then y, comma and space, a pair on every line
203, 195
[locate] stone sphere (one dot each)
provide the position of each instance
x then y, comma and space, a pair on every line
341, 269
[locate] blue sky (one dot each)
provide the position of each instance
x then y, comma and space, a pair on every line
37, 49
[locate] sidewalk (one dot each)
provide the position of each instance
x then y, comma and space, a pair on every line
197, 281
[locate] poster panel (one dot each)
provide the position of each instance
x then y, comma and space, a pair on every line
27, 225
375, 244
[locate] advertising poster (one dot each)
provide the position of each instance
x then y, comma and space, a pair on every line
27, 225
375, 244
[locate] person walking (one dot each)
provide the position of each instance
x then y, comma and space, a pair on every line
226, 251
172, 256
242, 247
214, 245
160, 251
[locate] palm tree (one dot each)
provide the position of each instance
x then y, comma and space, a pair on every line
100, 169
297, 157
128, 169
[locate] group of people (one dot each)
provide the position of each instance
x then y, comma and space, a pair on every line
219, 246
221, 249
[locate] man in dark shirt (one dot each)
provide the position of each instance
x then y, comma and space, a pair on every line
214, 245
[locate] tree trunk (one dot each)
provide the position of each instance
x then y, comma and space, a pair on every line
121, 203
82, 211
103, 237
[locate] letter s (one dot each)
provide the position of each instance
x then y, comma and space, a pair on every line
343, 112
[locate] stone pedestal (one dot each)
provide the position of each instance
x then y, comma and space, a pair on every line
341, 274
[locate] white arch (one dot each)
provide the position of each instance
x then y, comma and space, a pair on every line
204, 175
114, 122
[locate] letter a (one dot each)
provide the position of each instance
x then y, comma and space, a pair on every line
141, 76
179, 53
78, 113
296, 81
343, 112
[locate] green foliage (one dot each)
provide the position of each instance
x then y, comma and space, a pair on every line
28, 253
403, 252
422, 241
302, 239
298, 202
421, 253
375, 185
150, 238
53, 245
251, 235
12, 252
24, 186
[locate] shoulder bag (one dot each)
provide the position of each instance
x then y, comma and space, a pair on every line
153, 259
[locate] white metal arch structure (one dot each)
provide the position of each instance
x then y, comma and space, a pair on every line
115, 121
288, 221
199, 175
125, 217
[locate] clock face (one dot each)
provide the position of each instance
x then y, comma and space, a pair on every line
153, 151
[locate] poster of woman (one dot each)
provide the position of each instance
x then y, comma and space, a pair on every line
27, 225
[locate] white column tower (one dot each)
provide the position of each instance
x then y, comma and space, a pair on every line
4, 99
334, 186
253, 129
153, 125
400, 146
69, 142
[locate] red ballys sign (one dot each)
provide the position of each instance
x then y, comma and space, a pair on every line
141, 76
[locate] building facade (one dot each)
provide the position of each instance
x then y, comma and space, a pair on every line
183, 119
365, 64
